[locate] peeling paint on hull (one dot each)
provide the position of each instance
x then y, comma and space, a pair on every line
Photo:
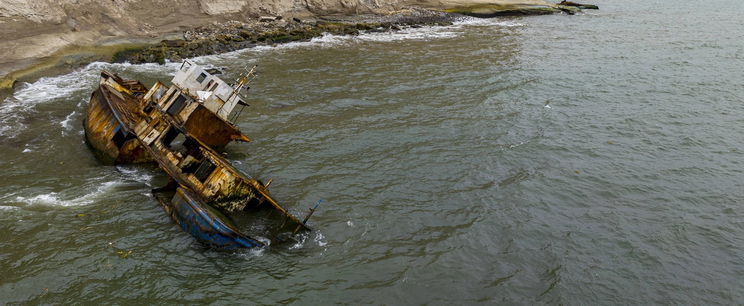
201, 222
101, 126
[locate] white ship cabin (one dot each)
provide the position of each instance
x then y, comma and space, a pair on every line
198, 102
210, 91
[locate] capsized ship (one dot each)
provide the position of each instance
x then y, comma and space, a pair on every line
182, 128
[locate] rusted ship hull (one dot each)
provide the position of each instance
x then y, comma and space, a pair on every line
107, 130
201, 221
180, 128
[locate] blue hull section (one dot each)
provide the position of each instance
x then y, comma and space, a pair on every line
204, 224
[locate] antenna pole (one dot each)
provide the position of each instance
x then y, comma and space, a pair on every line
241, 82
312, 210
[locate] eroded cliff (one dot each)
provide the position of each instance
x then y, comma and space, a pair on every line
36, 33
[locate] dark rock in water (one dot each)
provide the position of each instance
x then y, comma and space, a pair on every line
579, 5
571, 10
495, 10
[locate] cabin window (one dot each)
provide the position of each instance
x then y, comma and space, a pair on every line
201, 77
204, 170
119, 138
191, 167
165, 99
177, 105
158, 93
177, 143
148, 108
169, 139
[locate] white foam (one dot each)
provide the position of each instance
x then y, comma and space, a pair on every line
55, 199
436, 32
320, 239
54, 89
251, 253
331, 40
485, 22
135, 174
50, 88
66, 123
256, 252
46, 199
24, 100
300, 242
420, 33
264, 240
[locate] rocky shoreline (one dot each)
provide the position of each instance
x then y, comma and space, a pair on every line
235, 35
221, 37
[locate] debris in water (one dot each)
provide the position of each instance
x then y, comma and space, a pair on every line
123, 254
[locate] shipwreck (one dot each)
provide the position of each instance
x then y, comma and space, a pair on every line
183, 128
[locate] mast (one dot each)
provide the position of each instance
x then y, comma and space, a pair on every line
241, 81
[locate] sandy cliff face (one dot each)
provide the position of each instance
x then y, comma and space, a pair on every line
32, 30
39, 28
77, 13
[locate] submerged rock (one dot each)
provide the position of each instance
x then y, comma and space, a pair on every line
571, 10
579, 5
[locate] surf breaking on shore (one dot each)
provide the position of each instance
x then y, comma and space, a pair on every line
49, 38
27, 96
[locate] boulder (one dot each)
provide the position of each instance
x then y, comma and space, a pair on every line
579, 5
571, 10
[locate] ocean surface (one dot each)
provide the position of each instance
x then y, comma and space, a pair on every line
578, 160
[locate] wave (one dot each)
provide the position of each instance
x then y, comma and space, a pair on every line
55, 199
136, 173
24, 100
485, 22
66, 123
14, 109
409, 33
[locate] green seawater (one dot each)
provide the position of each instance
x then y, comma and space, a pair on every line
578, 160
